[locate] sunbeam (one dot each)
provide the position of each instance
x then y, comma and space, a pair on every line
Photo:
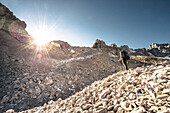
42, 34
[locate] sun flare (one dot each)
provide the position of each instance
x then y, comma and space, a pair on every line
41, 36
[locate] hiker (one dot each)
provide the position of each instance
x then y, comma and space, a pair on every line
124, 57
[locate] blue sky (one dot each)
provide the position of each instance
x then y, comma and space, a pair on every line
136, 23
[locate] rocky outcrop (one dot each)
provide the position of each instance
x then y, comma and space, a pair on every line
60, 44
159, 50
159, 46
10, 23
136, 90
99, 44
113, 45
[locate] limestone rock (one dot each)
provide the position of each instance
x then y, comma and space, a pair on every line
162, 96
86, 106
153, 109
166, 91
10, 111
78, 110
105, 84
49, 81
117, 106
104, 93
102, 111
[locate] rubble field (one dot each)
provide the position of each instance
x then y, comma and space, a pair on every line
140, 90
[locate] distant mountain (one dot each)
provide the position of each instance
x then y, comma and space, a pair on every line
31, 75
154, 50
159, 50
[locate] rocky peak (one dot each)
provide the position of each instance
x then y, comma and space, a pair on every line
99, 44
159, 46
113, 45
159, 50
4, 11
60, 44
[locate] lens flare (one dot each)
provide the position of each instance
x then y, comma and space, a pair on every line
41, 36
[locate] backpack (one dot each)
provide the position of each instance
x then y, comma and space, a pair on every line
125, 55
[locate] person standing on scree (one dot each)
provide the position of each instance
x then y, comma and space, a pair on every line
124, 57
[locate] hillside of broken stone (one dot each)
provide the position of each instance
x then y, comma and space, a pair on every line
28, 80
136, 90
30, 76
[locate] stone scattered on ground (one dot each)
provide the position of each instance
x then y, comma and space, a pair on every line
136, 90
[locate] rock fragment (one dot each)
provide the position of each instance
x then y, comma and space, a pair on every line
163, 96
166, 91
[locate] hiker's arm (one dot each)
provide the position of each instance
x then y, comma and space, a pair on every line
120, 57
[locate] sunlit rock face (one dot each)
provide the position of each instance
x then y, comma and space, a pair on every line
160, 50
10, 23
61, 44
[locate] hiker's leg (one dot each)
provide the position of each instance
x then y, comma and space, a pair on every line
125, 64
125, 61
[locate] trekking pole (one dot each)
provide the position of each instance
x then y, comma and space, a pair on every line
144, 63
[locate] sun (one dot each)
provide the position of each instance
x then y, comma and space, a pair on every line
43, 32
41, 36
